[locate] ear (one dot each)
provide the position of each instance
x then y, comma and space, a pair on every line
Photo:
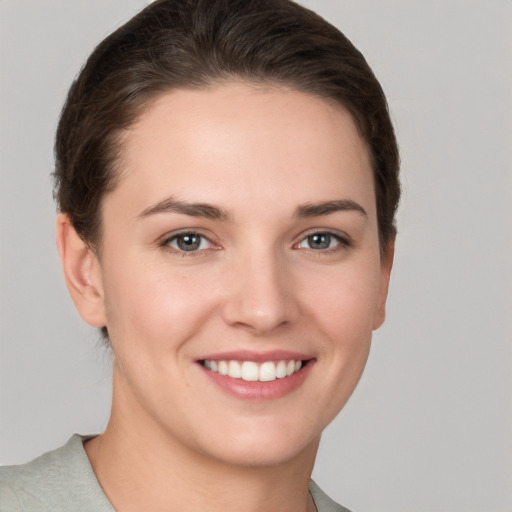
386, 264
82, 272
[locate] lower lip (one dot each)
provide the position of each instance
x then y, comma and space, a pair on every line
257, 390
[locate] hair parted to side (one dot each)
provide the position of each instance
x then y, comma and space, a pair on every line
175, 44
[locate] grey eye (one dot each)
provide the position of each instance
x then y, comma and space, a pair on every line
189, 242
319, 241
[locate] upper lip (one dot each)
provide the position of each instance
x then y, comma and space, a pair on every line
257, 357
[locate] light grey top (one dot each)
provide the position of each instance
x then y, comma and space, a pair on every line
63, 480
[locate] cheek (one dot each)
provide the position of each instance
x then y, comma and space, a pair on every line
341, 308
344, 301
155, 307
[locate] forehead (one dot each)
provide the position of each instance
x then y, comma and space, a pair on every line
239, 140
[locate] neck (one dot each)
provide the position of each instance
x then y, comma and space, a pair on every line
140, 466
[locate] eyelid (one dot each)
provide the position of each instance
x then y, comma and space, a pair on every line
343, 238
165, 241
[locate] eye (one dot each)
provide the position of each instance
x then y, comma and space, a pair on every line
188, 242
322, 241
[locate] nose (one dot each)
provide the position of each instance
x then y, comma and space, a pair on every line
260, 295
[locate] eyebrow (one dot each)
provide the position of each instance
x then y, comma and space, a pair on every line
172, 205
328, 207
209, 211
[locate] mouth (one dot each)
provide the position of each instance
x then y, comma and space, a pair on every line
251, 371
263, 379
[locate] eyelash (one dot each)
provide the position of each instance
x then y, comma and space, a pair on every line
167, 243
341, 243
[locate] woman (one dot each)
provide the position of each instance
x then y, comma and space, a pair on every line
227, 180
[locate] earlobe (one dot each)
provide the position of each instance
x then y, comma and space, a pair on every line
385, 274
82, 272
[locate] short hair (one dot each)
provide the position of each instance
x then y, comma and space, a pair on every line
176, 44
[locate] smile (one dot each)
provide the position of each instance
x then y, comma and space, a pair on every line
257, 376
251, 371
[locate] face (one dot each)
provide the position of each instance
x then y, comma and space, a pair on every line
240, 271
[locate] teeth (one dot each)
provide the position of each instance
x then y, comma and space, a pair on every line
223, 367
281, 369
234, 370
251, 371
267, 372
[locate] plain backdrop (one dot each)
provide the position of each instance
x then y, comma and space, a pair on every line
429, 427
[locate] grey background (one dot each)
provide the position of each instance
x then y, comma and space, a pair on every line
429, 427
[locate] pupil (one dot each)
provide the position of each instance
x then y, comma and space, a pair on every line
321, 241
189, 242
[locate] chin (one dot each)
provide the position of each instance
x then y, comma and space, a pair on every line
264, 448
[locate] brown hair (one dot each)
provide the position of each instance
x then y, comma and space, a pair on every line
195, 44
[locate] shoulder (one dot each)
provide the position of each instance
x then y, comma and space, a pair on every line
52, 482
322, 502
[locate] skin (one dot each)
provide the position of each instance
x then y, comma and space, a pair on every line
256, 283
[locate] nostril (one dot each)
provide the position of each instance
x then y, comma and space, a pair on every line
260, 297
